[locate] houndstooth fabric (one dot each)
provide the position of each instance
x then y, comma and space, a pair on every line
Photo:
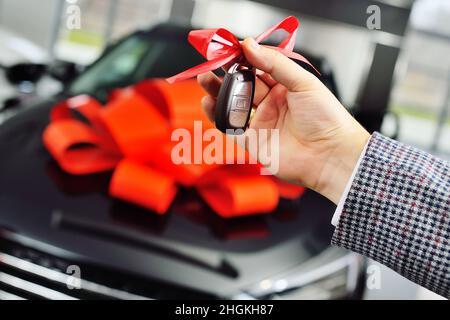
397, 213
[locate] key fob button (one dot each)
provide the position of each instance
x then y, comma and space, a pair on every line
239, 111
237, 118
240, 103
244, 89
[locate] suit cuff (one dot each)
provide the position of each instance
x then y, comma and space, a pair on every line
340, 206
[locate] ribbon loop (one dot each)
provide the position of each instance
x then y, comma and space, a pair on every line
213, 43
290, 25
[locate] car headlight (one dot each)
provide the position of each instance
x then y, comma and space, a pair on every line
334, 274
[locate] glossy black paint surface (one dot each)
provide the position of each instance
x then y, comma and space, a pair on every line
190, 245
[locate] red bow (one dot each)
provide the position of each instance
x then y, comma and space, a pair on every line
131, 136
220, 46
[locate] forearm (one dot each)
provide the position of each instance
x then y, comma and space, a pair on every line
397, 213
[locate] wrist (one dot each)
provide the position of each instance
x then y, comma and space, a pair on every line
342, 161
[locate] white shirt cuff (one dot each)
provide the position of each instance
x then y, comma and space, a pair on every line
340, 206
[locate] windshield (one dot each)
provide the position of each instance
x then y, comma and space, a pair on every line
136, 58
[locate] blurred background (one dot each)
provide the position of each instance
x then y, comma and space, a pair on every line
395, 79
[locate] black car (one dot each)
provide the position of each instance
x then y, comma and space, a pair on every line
56, 229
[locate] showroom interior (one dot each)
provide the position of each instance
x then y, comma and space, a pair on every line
393, 78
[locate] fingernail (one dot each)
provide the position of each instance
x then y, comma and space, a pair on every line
253, 44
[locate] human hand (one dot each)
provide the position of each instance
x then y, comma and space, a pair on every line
320, 142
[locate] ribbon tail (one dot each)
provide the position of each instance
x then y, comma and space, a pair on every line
231, 194
301, 58
295, 56
288, 190
142, 185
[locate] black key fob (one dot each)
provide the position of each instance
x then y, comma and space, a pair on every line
235, 100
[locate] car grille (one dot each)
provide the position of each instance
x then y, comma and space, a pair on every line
27, 273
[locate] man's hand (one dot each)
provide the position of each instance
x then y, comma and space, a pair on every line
320, 142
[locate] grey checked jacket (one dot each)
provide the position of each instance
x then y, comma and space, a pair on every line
397, 213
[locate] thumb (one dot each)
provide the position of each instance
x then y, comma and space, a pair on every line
280, 67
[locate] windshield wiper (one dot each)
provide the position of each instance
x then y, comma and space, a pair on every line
120, 235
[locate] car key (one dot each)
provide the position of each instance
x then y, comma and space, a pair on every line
235, 99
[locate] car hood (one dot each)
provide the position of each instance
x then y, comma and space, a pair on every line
190, 246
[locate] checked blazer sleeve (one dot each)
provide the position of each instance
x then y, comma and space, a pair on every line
397, 212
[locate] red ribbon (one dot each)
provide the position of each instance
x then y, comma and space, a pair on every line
220, 46
131, 137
